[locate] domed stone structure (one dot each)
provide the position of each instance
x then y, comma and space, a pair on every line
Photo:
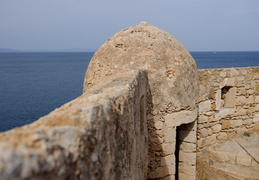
172, 72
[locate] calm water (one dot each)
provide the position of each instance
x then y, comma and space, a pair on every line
34, 84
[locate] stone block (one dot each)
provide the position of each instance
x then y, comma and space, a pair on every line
204, 106
159, 125
162, 172
233, 72
257, 88
203, 119
181, 117
203, 132
188, 136
218, 99
256, 118
240, 100
186, 176
243, 159
211, 140
223, 74
241, 112
222, 136
250, 92
236, 123
248, 122
187, 169
171, 177
250, 100
224, 112
216, 128
219, 156
210, 132
189, 158
257, 99
170, 135
231, 82
230, 100
257, 107
168, 148
168, 160
188, 147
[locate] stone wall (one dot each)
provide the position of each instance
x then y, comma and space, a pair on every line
100, 135
229, 104
228, 108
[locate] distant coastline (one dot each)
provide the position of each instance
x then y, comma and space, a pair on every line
7, 50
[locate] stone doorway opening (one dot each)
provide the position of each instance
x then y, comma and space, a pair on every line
185, 151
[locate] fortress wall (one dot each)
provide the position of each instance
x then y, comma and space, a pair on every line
228, 116
100, 135
228, 104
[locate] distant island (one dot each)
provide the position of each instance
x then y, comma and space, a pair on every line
6, 50
2, 50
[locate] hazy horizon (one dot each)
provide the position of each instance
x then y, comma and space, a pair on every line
66, 25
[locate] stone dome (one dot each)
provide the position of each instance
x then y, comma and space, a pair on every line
172, 72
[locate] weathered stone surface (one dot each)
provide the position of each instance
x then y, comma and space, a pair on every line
256, 118
203, 132
181, 117
186, 177
99, 135
188, 136
159, 124
219, 156
216, 128
230, 100
230, 82
244, 159
168, 148
188, 147
210, 139
162, 172
168, 160
172, 72
203, 119
226, 124
170, 135
218, 99
187, 169
222, 136
189, 158
171, 177
224, 112
204, 106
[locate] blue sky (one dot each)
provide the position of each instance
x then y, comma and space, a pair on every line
200, 25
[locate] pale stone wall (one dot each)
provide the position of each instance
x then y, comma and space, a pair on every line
229, 104
100, 135
228, 107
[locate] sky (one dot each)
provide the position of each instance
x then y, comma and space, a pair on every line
200, 25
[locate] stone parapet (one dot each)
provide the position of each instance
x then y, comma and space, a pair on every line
99, 135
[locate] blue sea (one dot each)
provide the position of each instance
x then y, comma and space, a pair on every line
34, 84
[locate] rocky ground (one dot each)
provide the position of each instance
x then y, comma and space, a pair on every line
237, 159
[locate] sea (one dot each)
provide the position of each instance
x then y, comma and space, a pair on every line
34, 84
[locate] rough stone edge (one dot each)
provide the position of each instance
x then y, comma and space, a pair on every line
27, 151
